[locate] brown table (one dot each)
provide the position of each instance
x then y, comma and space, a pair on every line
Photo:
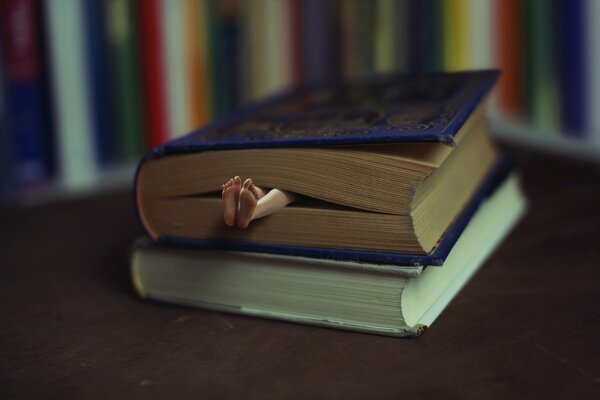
527, 324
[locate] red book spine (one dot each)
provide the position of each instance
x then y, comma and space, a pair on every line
152, 71
511, 88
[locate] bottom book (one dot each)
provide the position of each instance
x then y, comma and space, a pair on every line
375, 298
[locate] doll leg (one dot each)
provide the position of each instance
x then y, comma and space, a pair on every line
231, 199
253, 205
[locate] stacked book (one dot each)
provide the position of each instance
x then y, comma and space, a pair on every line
399, 196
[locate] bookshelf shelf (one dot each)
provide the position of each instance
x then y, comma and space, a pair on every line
552, 142
116, 177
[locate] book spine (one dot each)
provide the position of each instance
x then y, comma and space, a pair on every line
173, 13
592, 13
540, 79
384, 37
391, 36
153, 72
316, 41
571, 62
456, 35
508, 56
212, 23
77, 164
424, 31
279, 45
297, 54
6, 155
226, 68
98, 75
480, 44
124, 68
24, 91
197, 72
357, 27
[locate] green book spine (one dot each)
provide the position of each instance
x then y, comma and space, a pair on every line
436, 53
541, 91
124, 67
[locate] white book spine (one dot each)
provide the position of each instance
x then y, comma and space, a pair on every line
480, 38
173, 18
71, 100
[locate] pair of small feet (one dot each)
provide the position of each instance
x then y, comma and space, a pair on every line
239, 201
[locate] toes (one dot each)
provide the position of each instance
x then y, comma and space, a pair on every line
237, 181
227, 184
254, 191
247, 183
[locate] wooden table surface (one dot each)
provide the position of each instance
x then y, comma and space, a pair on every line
527, 325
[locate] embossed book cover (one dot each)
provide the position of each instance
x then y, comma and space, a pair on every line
386, 170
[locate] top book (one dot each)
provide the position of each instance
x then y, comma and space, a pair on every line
381, 166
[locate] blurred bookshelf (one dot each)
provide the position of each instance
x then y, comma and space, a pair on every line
88, 86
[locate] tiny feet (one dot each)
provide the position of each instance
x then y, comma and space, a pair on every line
231, 198
244, 203
249, 196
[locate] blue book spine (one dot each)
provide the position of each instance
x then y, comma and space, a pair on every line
99, 82
424, 45
315, 31
571, 64
227, 63
6, 178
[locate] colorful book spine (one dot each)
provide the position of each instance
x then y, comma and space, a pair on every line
176, 83
456, 35
6, 154
509, 55
226, 52
75, 141
357, 27
592, 13
152, 57
480, 42
124, 72
571, 64
540, 79
25, 101
297, 54
212, 24
268, 47
98, 74
280, 46
200, 107
320, 45
391, 36
425, 23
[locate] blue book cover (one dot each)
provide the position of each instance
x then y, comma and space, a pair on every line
393, 109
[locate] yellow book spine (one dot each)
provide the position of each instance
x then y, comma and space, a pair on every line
456, 34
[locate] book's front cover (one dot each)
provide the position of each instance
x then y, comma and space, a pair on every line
387, 109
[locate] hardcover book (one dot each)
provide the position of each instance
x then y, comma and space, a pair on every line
387, 170
377, 298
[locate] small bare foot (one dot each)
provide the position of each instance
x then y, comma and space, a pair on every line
230, 197
248, 200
